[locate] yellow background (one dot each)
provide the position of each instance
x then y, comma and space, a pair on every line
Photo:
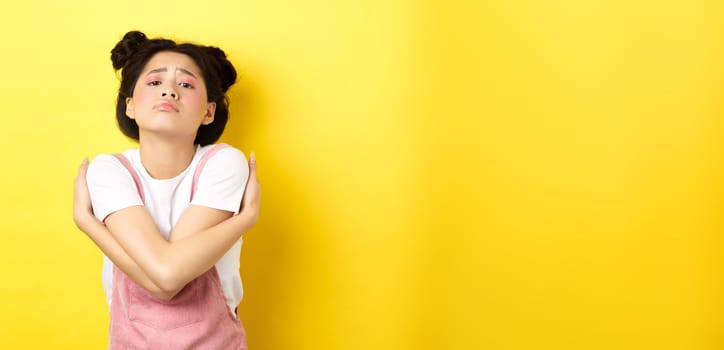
437, 174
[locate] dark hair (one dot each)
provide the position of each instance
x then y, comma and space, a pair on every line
132, 53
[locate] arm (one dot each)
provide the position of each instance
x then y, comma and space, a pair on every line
219, 190
103, 239
169, 265
86, 222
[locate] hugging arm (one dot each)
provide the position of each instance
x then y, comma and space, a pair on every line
132, 241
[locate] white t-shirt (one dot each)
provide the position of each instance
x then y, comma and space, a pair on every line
220, 186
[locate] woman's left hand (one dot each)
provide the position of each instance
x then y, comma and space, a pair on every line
82, 209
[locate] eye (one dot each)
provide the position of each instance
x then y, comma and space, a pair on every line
186, 85
153, 83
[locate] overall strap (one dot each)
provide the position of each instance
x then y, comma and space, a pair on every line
205, 158
133, 173
214, 149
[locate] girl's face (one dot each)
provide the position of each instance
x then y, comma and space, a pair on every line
170, 98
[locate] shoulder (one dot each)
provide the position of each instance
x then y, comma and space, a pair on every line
223, 156
222, 150
220, 178
221, 165
111, 186
107, 165
103, 163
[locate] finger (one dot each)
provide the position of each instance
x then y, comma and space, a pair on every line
252, 167
83, 166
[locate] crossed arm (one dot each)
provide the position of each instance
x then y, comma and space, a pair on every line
199, 239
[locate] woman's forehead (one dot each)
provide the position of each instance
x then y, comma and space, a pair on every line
165, 60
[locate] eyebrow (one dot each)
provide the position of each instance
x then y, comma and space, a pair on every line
161, 70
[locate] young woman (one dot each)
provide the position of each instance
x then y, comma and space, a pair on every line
169, 214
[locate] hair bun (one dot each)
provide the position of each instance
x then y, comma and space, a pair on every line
126, 48
226, 71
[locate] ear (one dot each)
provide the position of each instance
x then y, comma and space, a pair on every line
129, 107
210, 112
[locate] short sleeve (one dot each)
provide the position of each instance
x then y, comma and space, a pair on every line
111, 186
222, 181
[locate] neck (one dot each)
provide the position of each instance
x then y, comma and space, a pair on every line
165, 159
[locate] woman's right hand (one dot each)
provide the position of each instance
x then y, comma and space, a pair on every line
252, 194
82, 209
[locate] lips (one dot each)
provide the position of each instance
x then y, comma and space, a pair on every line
166, 106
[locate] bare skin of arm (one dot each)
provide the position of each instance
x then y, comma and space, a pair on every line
164, 267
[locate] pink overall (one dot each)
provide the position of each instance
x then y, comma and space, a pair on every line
196, 318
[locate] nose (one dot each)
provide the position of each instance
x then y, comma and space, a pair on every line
170, 94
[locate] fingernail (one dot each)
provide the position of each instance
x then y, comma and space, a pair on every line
253, 157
